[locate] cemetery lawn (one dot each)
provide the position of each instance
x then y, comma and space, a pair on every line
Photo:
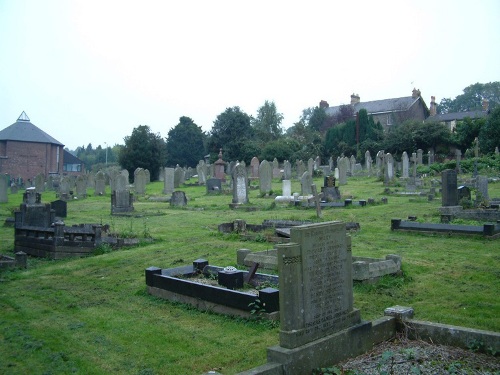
93, 316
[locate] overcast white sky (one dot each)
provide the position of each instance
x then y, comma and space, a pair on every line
89, 71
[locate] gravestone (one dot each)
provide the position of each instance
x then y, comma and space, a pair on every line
201, 170
310, 166
463, 193
60, 208
178, 199
265, 177
126, 174
121, 182
406, 165
254, 167
4, 184
389, 168
168, 181
161, 174
276, 169
64, 187
214, 186
40, 182
458, 156
315, 283
287, 170
90, 178
352, 164
148, 176
449, 196
420, 153
100, 183
240, 185
121, 200
287, 188
430, 157
305, 183
81, 187
140, 179
343, 164
329, 190
219, 167
482, 190
380, 163
368, 161
299, 165
178, 176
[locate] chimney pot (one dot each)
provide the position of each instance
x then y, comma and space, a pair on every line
355, 99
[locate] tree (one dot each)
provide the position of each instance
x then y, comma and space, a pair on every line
489, 135
231, 130
267, 123
317, 119
185, 143
466, 131
472, 98
143, 149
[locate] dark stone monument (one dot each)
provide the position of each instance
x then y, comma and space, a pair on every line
463, 193
178, 199
449, 186
214, 186
60, 208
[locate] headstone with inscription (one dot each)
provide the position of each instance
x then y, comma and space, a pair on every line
420, 154
406, 165
287, 188
254, 167
265, 177
299, 165
310, 166
449, 188
100, 183
81, 187
305, 183
40, 183
316, 297
168, 180
140, 180
240, 185
276, 169
287, 170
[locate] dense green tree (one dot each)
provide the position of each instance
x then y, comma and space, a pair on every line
310, 141
143, 149
185, 143
317, 119
230, 132
267, 123
489, 136
472, 98
96, 158
466, 131
281, 149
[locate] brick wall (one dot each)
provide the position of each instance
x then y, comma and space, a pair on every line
27, 159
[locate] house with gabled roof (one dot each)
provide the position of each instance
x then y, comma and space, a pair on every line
26, 151
451, 119
388, 112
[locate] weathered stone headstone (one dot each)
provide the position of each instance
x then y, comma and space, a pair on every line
287, 188
240, 185
310, 166
168, 180
148, 176
4, 184
389, 168
178, 199
352, 164
368, 161
414, 161
276, 169
100, 183
60, 208
81, 187
140, 180
287, 170
219, 167
265, 177
449, 188
316, 297
121, 182
214, 186
458, 156
305, 183
380, 163
406, 165
482, 190
463, 193
420, 154
40, 182
201, 171
178, 176
254, 167
121, 200
64, 187
343, 166
430, 157
299, 165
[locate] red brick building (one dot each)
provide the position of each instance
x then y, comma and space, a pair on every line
26, 151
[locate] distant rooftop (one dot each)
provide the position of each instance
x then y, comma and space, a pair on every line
24, 131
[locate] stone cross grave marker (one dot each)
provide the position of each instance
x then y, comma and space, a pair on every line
315, 283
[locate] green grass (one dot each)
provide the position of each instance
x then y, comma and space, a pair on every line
93, 315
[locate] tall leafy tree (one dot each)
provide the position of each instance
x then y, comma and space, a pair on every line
185, 143
231, 131
143, 149
472, 98
466, 131
267, 123
489, 135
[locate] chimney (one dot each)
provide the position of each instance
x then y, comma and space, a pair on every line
323, 104
355, 99
433, 109
486, 105
415, 93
